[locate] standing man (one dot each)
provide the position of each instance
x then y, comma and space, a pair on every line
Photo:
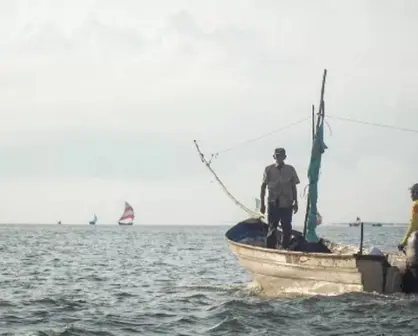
281, 180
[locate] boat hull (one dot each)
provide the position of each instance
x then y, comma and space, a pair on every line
279, 271
126, 224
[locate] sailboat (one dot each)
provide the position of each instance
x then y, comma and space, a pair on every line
128, 215
94, 221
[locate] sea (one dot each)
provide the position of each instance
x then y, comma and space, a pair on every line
172, 280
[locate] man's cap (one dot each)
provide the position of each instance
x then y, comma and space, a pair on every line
280, 151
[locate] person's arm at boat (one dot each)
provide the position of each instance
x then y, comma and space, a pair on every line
413, 226
295, 182
263, 192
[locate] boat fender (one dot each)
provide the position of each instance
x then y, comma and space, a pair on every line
412, 250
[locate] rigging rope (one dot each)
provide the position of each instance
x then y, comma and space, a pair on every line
228, 149
259, 137
373, 124
242, 206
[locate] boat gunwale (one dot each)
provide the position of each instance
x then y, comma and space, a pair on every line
301, 266
295, 253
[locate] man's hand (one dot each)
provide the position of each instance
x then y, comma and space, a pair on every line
401, 247
263, 208
295, 207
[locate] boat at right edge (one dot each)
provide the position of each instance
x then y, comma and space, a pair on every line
345, 268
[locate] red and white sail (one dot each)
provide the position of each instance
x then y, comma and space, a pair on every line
318, 219
128, 215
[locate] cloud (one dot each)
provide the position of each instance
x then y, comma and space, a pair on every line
102, 155
101, 102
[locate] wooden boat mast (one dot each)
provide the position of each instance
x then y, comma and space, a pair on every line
307, 202
321, 113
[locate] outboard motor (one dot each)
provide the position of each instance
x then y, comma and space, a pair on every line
410, 279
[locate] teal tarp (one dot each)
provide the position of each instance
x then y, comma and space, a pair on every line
318, 148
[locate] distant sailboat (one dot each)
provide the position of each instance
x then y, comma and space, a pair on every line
94, 221
59, 223
128, 215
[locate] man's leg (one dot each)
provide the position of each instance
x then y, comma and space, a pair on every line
273, 219
286, 215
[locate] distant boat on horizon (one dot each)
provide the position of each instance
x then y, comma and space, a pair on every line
94, 221
59, 223
128, 215
356, 223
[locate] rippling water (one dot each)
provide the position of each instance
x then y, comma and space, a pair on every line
105, 280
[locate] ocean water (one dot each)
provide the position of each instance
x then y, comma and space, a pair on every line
143, 280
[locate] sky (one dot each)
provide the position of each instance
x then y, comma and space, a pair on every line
101, 102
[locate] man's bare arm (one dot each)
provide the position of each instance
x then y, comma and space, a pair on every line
263, 192
263, 187
296, 181
295, 193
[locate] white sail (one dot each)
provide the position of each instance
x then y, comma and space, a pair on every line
94, 220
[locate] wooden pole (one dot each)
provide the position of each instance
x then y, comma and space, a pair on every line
313, 123
361, 238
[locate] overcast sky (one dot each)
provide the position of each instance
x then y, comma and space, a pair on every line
101, 102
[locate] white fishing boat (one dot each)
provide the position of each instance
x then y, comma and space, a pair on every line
128, 215
345, 269
312, 264
94, 220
